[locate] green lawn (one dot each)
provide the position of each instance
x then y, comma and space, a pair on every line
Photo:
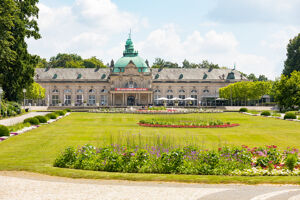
36, 150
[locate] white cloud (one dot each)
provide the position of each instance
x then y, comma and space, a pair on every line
221, 48
85, 27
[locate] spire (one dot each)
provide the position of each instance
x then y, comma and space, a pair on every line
129, 49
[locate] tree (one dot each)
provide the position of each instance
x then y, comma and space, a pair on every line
247, 90
42, 62
208, 65
186, 64
262, 78
158, 63
35, 91
17, 22
286, 91
293, 56
61, 60
93, 62
252, 77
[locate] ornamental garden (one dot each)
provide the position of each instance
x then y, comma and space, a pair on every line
224, 144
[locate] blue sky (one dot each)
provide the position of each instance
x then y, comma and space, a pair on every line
251, 33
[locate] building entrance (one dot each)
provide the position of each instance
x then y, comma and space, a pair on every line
130, 101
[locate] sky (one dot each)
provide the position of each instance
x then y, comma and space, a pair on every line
251, 34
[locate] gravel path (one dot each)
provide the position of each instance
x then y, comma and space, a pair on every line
30, 186
15, 120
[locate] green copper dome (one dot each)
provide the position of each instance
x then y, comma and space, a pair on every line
130, 54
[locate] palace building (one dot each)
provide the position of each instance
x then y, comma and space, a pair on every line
131, 82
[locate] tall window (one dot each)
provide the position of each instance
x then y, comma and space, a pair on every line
157, 102
194, 103
92, 100
55, 100
79, 99
181, 103
169, 96
103, 100
67, 99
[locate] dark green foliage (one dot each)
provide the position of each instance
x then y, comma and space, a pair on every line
42, 119
17, 23
9, 109
67, 110
187, 160
60, 112
290, 115
66, 159
32, 121
51, 115
4, 131
291, 161
243, 110
265, 113
292, 63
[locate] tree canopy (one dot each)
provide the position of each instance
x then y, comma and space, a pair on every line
286, 91
293, 56
246, 90
63, 60
161, 63
35, 91
17, 22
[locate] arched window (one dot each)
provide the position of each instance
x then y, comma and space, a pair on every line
131, 84
170, 91
91, 91
79, 91
67, 91
194, 91
206, 91
157, 91
103, 91
55, 91
181, 91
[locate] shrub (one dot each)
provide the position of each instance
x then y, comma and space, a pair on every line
67, 110
265, 113
42, 119
290, 115
51, 115
4, 131
32, 121
243, 110
291, 161
60, 112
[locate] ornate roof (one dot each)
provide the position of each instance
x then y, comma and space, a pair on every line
130, 54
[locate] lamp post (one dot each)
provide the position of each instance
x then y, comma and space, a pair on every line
24, 91
1, 91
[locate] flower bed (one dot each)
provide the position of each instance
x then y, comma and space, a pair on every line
185, 160
185, 123
189, 126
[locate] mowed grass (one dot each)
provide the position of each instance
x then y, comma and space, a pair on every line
36, 150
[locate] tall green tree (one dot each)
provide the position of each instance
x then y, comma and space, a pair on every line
286, 91
63, 60
17, 22
93, 62
35, 91
292, 61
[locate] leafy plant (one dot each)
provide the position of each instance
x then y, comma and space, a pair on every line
42, 119
32, 121
290, 115
243, 110
4, 131
291, 161
51, 115
265, 113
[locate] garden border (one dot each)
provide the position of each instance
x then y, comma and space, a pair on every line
188, 126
